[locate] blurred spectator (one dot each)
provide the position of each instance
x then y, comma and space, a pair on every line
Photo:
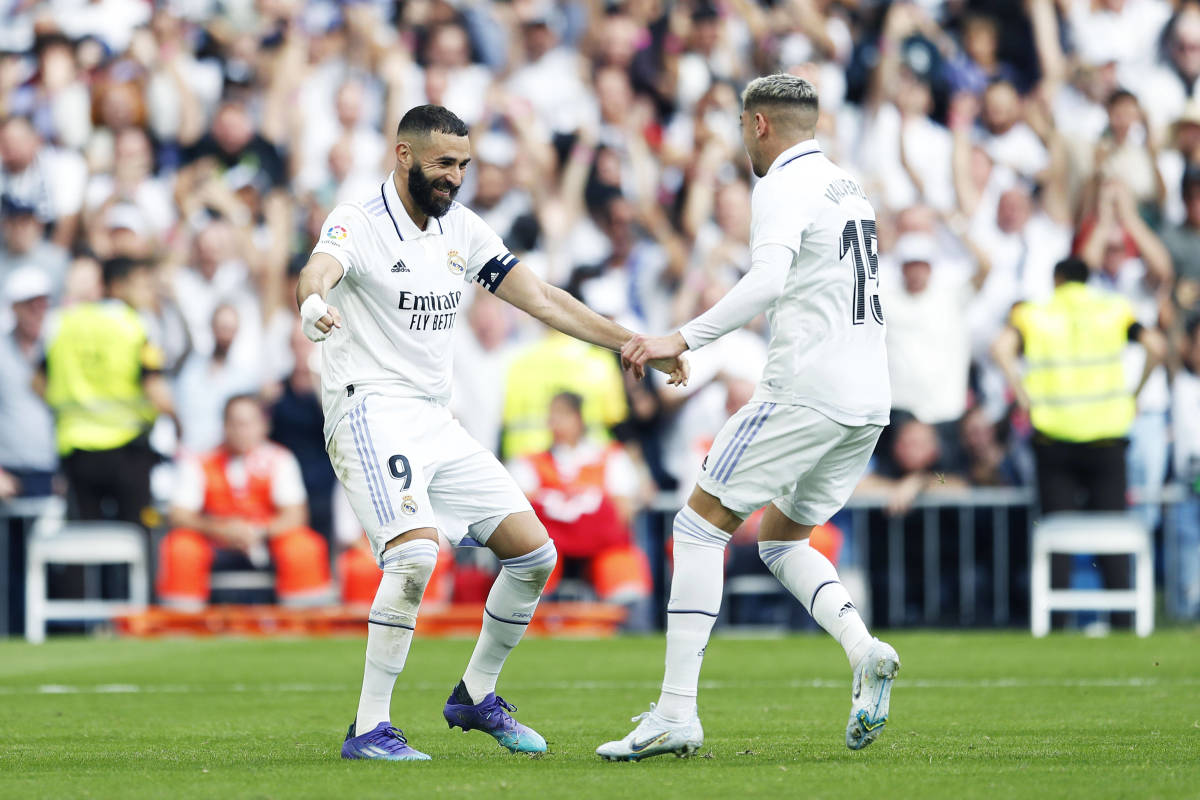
28, 457
1126, 150
1005, 136
246, 496
103, 380
235, 143
928, 340
1079, 402
348, 128
978, 63
220, 275
639, 268
989, 461
58, 104
481, 361
1181, 152
297, 423
1185, 410
583, 491
1165, 89
24, 242
1183, 243
131, 182
46, 179
1124, 32
909, 461
207, 382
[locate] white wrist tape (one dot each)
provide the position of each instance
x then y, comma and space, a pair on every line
311, 310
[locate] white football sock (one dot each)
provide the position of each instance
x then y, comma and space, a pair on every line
696, 587
814, 581
406, 570
506, 615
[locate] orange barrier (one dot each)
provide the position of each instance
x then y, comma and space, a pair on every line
460, 619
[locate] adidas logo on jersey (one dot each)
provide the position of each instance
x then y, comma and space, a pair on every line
400, 266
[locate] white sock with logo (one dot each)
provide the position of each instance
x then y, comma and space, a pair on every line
696, 587
406, 570
814, 581
506, 615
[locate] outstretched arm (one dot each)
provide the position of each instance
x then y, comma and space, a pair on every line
554, 307
751, 296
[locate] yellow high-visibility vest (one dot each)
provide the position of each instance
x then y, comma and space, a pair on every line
552, 365
95, 358
1075, 374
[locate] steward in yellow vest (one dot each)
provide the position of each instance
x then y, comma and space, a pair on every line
1078, 397
1074, 385
102, 379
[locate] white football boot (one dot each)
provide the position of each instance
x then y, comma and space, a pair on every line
655, 736
872, 695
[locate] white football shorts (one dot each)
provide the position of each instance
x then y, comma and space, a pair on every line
793, 455
407, 463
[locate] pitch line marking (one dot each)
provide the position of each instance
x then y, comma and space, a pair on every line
814, 683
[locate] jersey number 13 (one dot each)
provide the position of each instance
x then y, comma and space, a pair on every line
859, 237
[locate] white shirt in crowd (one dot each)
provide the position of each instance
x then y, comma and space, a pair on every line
929, 351
1185, 418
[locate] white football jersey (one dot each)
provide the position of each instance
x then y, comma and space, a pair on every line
399, 297
827, 346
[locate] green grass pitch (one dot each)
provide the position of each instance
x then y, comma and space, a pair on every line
973, 715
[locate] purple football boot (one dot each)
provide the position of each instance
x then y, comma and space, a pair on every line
492, 717
384, 743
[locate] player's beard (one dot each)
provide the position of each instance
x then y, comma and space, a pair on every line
421, 190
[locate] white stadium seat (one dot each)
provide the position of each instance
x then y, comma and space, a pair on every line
1091, 534
53, 541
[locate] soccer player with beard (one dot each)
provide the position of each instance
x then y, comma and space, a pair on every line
382, 291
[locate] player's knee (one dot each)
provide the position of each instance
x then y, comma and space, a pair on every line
534, 567
774, 554
692, 529
407, 569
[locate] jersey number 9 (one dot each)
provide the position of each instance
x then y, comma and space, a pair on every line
401, 471
858, 237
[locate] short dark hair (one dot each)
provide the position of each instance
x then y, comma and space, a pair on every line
1072, 270
572, 400
429, 119
253, 399
1119, 95
120, 267
1190, 181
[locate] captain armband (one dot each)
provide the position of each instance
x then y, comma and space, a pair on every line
495, 271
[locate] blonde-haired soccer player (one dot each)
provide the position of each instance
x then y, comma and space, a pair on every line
802, 443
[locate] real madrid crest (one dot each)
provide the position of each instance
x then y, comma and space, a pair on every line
456, 263
408, 505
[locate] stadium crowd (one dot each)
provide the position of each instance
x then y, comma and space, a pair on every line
210, 139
